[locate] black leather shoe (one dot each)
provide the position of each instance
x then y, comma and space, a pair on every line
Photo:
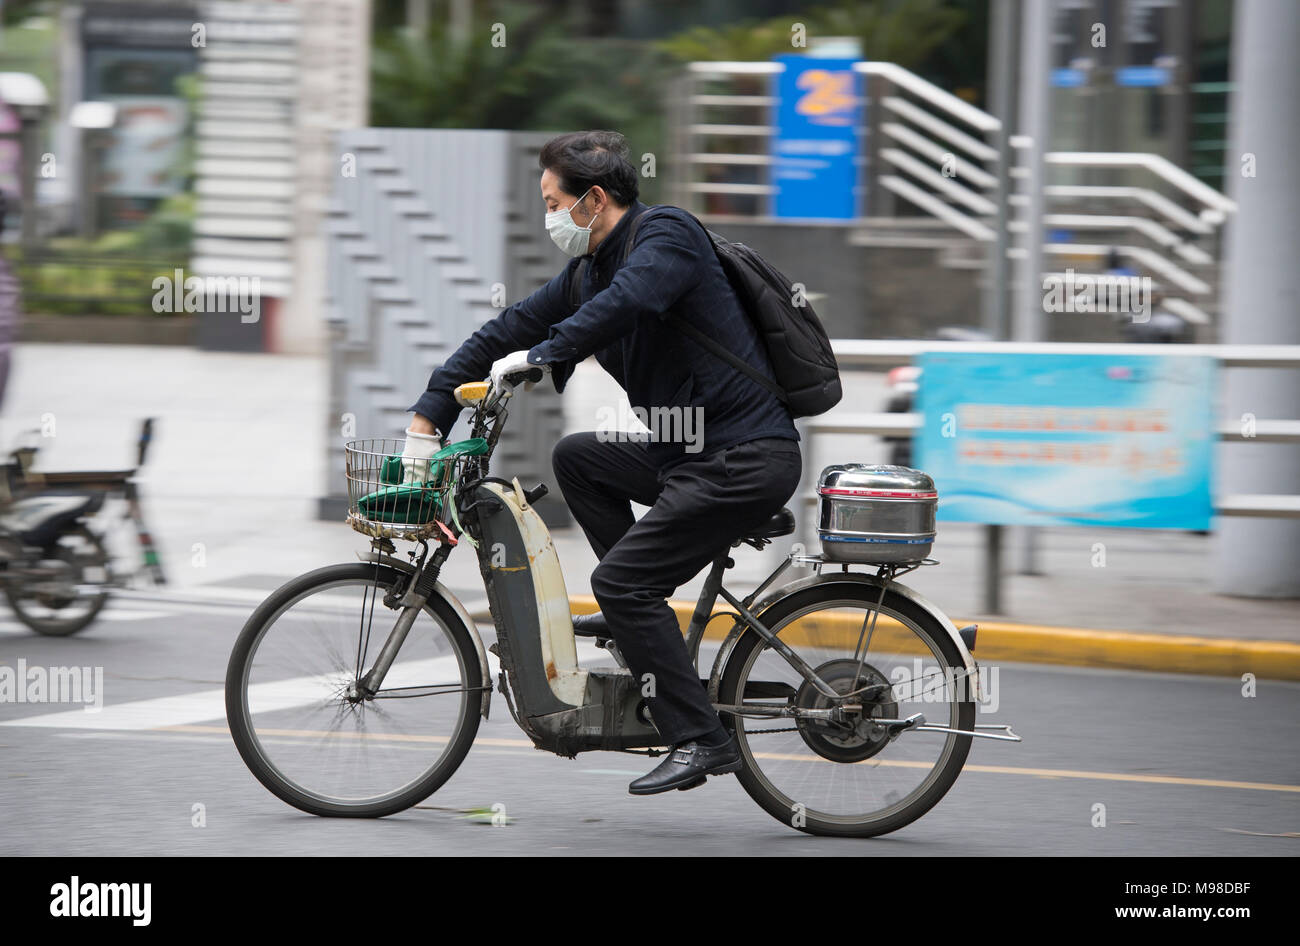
590, 625
687, 766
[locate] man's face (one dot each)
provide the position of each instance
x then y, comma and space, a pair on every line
557, 199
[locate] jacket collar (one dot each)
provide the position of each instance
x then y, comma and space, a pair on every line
611, 248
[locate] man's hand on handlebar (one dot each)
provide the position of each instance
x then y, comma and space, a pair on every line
422, 425
513, 368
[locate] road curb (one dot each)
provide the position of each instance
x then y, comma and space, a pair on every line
1090, 647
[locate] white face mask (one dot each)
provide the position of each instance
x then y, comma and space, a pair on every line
566, 234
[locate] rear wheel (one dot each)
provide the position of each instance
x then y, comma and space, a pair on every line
299, 719
849, 777
70, 591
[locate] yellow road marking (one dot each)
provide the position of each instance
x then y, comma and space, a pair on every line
1037, 643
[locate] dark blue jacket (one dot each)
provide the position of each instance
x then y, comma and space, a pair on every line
672, 268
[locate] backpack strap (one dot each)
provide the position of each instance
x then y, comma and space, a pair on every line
708, 344
580, 271
699, 337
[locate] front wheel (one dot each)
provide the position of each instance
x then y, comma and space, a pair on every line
316, 738
848, 776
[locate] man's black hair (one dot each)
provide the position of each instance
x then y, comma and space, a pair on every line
585, 159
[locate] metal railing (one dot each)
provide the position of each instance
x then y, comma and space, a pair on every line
926, 148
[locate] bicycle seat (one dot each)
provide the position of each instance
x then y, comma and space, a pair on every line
780, 524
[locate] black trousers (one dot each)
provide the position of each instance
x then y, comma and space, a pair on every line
697, 509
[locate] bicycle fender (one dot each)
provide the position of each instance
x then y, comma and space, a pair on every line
461, 612
772, 597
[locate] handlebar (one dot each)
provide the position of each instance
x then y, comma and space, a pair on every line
531, 374
482, 396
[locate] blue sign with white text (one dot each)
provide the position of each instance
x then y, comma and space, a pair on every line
815, 148
1106, 440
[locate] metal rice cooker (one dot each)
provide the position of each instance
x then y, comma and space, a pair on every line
875, 515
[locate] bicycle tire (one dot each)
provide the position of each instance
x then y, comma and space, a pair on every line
780, 806
242, 731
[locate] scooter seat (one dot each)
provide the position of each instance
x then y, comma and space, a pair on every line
37, 520
780, 524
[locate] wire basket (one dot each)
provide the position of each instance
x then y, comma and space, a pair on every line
381, 505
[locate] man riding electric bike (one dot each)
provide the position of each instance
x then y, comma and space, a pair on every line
702, 493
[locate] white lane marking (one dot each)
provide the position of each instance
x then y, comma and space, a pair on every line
211, 704
149, 608
241, 597
13, 626
276, 695
115, 614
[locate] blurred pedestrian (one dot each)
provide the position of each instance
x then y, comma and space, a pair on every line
10, 307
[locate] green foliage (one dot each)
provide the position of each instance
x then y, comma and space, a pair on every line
31, 43
16, 11
893, 31
548, 76
112, 274
931, 37
742, 42
545, 77
166, 233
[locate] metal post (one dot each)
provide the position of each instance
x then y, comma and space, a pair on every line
1002, 43
1261, 557
92, 151
993, 570
1002, 33
1035, 121
880, 199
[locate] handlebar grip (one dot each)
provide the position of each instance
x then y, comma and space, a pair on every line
530, 374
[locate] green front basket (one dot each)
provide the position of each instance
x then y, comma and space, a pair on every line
419, 502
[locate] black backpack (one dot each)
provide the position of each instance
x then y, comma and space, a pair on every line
807, 376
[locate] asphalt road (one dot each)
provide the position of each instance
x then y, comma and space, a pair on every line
1152, 748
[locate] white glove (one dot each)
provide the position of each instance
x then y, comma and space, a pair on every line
514, 362
415, 456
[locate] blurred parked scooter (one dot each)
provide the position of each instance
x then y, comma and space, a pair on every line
55, 569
